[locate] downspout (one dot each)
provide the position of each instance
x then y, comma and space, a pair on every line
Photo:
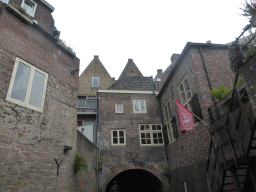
97, 148
208, 79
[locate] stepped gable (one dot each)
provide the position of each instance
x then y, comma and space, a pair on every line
130, 70
134, 83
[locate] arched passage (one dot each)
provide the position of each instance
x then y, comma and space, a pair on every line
135, 180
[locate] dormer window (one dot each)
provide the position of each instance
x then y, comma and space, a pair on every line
29, 6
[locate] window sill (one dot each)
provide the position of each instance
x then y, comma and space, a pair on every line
65, 49
18, 14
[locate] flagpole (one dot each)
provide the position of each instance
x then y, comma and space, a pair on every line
200, 119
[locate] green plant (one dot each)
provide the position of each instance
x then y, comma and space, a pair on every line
20, 9
220, 92
239, 81
80, 163
248, 9
235, 56
250, 51
62, 42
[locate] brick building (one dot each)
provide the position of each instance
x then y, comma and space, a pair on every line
94, 77
199, 68
38, 96
130, 135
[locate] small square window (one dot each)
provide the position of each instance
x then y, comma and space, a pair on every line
119, 107
29, 6
27, 86
118, 137
139, 106
95, 81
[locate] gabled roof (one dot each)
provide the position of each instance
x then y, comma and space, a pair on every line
130, 70
134, 83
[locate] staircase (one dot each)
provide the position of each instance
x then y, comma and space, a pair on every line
232, 151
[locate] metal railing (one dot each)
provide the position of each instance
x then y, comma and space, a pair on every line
86, 105
247, 44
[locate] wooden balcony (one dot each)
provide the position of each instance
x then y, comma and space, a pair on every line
87, 105
232, 147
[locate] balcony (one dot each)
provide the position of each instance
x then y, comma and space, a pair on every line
87, 104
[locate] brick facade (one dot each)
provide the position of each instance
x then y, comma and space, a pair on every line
85, 79
30, 141
190, 149
117, 159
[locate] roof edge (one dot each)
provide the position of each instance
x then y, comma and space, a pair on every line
187, 46
47, 5
125, 91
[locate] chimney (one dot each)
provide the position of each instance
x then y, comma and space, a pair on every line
129, 60
159, 72
174, 57
96, 56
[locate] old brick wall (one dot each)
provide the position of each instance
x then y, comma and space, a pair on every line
42, 15
86, 181
131, 156
85, 79
31, 142
190, 148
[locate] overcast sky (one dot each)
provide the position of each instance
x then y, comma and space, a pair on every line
147, 31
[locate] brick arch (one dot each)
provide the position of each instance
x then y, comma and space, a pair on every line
122, 170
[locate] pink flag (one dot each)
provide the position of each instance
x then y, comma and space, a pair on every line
186, 118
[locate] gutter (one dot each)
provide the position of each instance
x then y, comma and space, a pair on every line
45, 3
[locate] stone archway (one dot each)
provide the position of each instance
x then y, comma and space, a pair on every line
135, 180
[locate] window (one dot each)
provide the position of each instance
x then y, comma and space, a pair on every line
29, 6
139, 106
27, 86
5, 1
170, 122
151, 135
118, 137
119, 107
95, 81
185, 93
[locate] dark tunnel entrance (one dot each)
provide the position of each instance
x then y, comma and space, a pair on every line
135, 180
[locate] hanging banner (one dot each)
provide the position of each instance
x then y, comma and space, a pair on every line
186, 118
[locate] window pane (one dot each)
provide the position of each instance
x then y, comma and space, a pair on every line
114, 133
142, 105
114, 140
147, 127
158, 127
155, 141
160, 141
154, 135
148, 141
95, 81
143, 141
136, 105
153, 127
37, 89
183, 98
29, 7
21, 82
121, 133
119, 108
121, 140
142, 127
143, 135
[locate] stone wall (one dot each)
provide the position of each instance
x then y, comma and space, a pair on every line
86, 181
117, 159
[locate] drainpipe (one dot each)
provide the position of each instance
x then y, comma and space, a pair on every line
208, 79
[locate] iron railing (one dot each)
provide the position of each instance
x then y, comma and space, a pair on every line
247, 44
86, 105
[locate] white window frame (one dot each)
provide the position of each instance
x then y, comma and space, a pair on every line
122, 107
5, 1
118, 137
168, 121
187, 102
34, 8
151, 132
140, 111
29, 86
97, 78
